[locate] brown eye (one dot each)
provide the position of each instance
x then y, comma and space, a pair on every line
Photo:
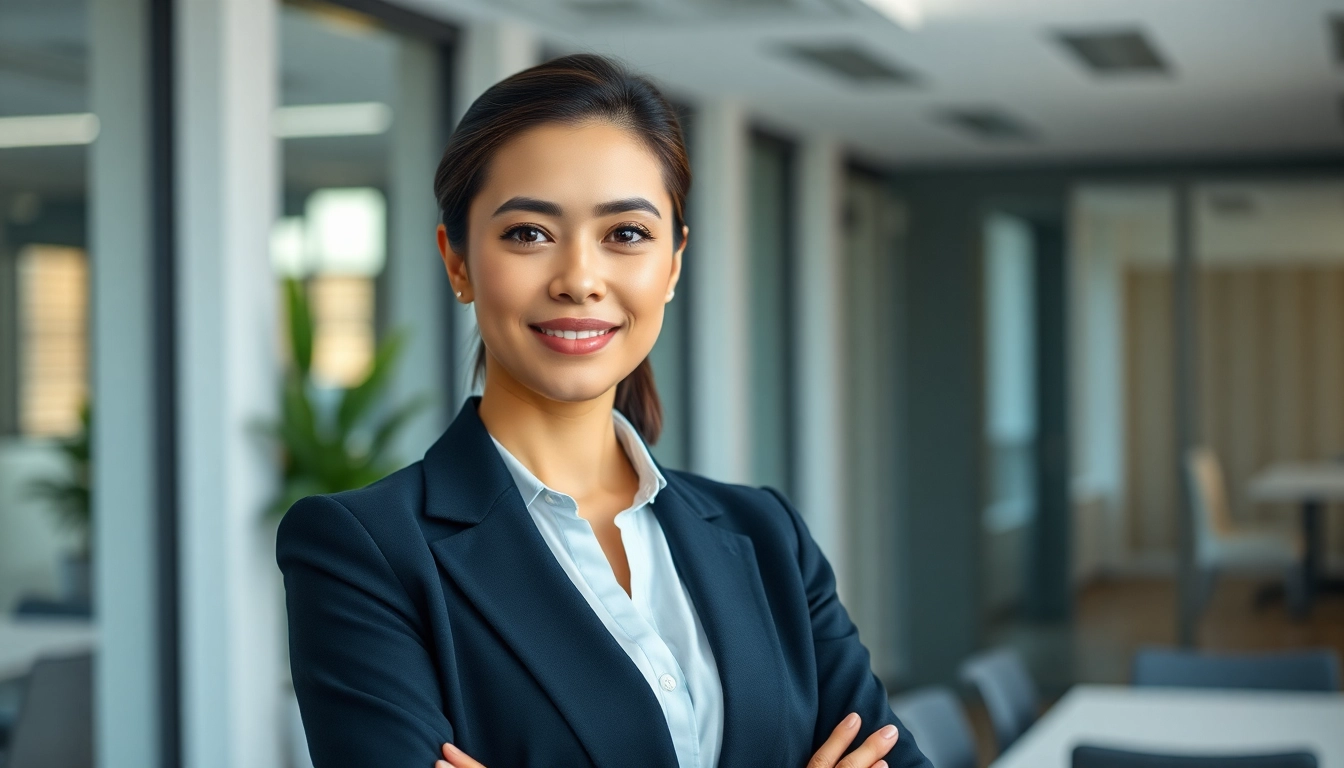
629, 235
526, 235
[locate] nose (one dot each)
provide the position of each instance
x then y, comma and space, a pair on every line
578, 277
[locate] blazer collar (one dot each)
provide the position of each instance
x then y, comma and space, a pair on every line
503, 566
464, 475
463, 479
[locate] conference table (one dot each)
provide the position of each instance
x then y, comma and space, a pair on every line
1311, 486
1182, 721
24, 641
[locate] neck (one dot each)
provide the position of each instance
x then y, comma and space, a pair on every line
569, 446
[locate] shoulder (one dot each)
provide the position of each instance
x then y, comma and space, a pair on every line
379, 514
755, 511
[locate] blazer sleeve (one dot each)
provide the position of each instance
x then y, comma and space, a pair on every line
366, 683
845, 680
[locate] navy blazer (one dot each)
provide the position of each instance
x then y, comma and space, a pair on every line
426, 608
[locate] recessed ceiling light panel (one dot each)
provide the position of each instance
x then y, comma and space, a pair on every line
987, 124
848, 61
1115, 52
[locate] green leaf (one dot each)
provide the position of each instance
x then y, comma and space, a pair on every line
392, 424
298, 427
356, 401
300, 325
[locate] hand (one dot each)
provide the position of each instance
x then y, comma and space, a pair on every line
868, 755
456, 758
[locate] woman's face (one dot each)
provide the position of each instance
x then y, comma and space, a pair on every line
569, 258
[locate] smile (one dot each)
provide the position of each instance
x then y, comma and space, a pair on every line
575, 335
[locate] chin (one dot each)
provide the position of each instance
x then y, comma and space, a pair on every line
573, 388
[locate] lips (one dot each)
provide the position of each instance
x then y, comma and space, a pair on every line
575, 335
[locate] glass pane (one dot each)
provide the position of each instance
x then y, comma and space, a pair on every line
1125, 487
45, 506
1271, 394
338, 74
873, 231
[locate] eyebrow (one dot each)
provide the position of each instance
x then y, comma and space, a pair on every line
628, 204
531, 204
547, 208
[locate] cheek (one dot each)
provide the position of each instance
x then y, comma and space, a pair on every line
645, 282
501, 281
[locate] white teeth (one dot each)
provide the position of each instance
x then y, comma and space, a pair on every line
574, 334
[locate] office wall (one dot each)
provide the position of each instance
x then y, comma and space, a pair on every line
1271, 385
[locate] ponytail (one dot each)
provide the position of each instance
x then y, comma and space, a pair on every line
637, 400
636, 397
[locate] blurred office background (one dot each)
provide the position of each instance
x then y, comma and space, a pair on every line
1035, 310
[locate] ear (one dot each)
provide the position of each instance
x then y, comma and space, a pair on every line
676, 262
456, 265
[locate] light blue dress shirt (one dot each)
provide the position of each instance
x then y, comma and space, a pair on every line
656, 624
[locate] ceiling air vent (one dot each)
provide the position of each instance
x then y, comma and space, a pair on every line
603, 7
849, 62
1114, 52
987, 124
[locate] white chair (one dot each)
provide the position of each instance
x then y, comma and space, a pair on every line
1222, 544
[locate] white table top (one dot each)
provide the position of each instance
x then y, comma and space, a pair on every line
1298, 482
23, 641
1182, 720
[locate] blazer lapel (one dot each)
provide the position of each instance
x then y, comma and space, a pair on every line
720, 572
506, 570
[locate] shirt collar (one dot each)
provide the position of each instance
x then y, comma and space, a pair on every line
651, 480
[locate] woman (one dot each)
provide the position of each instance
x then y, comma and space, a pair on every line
537, 590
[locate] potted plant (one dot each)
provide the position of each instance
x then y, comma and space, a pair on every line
330, 443
341, 446
69, 498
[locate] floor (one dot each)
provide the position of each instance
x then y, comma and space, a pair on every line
1115, 618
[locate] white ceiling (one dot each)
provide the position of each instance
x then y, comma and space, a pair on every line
1253, 77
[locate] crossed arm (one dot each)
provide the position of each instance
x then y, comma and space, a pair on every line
367, 685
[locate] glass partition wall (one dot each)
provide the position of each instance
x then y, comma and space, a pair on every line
46, 129
45, 132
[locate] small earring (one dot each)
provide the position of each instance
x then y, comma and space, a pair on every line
459, 294
671, 293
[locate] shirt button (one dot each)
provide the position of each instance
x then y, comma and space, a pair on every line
668, 682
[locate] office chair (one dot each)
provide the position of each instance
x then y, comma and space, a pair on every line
55, 722
1085, 756
1307, 670
935, 719
1006, 687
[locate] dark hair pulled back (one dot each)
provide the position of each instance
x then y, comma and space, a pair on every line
570, 89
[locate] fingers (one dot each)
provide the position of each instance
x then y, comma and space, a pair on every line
872, 750
834, 746
456, 758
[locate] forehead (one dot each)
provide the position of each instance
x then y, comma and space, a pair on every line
574, 165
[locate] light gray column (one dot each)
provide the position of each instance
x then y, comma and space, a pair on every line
490, 52
126, 732
416, 284
819, 356
721, 375
227, 184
